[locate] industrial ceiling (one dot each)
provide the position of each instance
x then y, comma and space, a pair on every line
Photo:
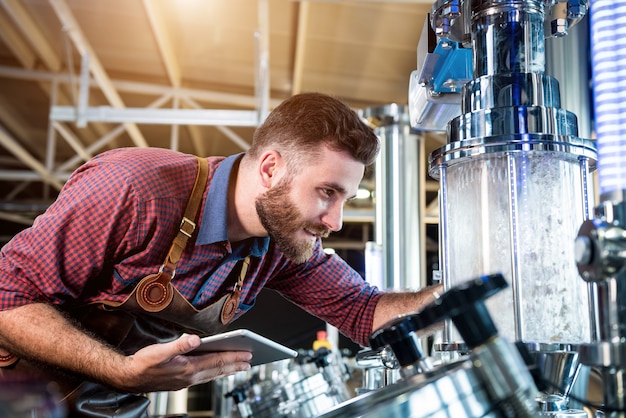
79, 77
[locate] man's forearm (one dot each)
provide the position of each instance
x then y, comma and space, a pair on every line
38, 331
392, 304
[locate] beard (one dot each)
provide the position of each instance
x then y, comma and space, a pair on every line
282, 220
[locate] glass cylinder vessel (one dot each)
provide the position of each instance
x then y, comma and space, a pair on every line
515, 208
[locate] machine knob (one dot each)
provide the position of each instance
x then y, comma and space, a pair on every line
400, 336
465, 306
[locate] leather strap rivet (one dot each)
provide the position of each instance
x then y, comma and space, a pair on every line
154, 293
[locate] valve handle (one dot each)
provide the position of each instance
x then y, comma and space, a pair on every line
463, 304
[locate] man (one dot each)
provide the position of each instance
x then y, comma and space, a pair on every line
118, 220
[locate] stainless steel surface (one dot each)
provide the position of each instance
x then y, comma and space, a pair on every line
284, 389
399, 181
456, 152
565, 414
451, 17
559, 365
511, 148
379, 368
454, 390
377, 377
567, 59
492, 382
506, 376
514, 183
493, 365
601, 256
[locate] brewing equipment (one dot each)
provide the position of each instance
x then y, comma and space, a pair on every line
379, 368
601, 242
399, 231
514, 189
298, 388
493, 381
515, 180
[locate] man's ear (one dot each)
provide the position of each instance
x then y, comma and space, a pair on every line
270, 167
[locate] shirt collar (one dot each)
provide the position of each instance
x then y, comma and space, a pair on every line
213, 226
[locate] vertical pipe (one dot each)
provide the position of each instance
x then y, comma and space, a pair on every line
175, 130
51, 142
263, 58
83, 93
592, 294
399, 225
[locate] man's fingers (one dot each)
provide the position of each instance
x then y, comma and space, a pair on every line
187, 343
211, 366
173, 365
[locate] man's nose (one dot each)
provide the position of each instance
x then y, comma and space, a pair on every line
333, 219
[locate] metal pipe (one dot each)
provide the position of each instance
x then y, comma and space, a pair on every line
399, 227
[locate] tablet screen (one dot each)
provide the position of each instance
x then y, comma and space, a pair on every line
263, 349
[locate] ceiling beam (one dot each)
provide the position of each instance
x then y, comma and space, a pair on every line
140, 115
16, 43
231, 99
163, 40
75, 33
15, 123
18, 219
72, 141
31, 47
196, 138
298, 61
24, 156
93, 148
30, 31
229, 133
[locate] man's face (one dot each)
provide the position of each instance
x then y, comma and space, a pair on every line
296, 212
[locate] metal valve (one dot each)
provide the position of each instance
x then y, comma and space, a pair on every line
463, 304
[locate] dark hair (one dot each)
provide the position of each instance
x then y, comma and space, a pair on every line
302, 123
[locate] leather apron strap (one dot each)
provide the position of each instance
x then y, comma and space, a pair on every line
154, 293
155, 311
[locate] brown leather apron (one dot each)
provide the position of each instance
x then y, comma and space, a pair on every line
154, 312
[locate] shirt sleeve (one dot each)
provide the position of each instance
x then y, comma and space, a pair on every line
54, 260
327, 287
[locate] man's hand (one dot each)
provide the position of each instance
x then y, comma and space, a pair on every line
166, 367
392, 304
38, 331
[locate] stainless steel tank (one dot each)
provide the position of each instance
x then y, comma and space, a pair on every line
515, 178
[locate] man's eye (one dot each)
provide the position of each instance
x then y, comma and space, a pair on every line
328, 192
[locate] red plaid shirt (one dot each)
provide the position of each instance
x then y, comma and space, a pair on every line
115, 219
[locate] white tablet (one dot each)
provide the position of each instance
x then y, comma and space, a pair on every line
263, 349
